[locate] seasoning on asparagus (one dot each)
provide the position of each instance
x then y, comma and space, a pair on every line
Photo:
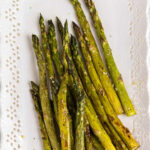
91, 92
90, 112
53, 49
43, 92
37, 105
96, 143
96, 58
113, 70
63, 115
117, 124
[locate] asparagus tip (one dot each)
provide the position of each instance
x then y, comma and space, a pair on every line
41, 20
76, 28
35, 38
32, 83
41, 17
58, 21
66, 24
50, 23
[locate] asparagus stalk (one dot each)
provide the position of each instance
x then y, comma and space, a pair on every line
46, 142
97, 84
49, 65
60, 28
113, 70
65, 42
88, 140
53, 49
71, 103
45, 49
63, 115
79, 127
96, 58
96, 143
117, 124
95, 124
43, 92
35, 88
98, 129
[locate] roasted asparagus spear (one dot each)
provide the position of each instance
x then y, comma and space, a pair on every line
111, 65
44, 97
63, 31
49, 65
63, 115
36, 100
96, 58
53, 49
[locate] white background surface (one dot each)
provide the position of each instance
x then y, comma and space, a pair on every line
124, 22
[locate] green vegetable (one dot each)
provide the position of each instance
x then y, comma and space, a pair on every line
113, 70
80, 98
36, 100
53, 49
97, 127
96, 58
63, 115
45, 48
97, 84
49, 65
94, 122
65, 42
60, 28
79, 131
117, 124
44, 97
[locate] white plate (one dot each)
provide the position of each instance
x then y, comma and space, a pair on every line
125, 25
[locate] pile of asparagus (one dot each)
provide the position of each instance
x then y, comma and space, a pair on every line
76, 101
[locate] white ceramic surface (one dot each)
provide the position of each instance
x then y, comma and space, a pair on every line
125, 25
